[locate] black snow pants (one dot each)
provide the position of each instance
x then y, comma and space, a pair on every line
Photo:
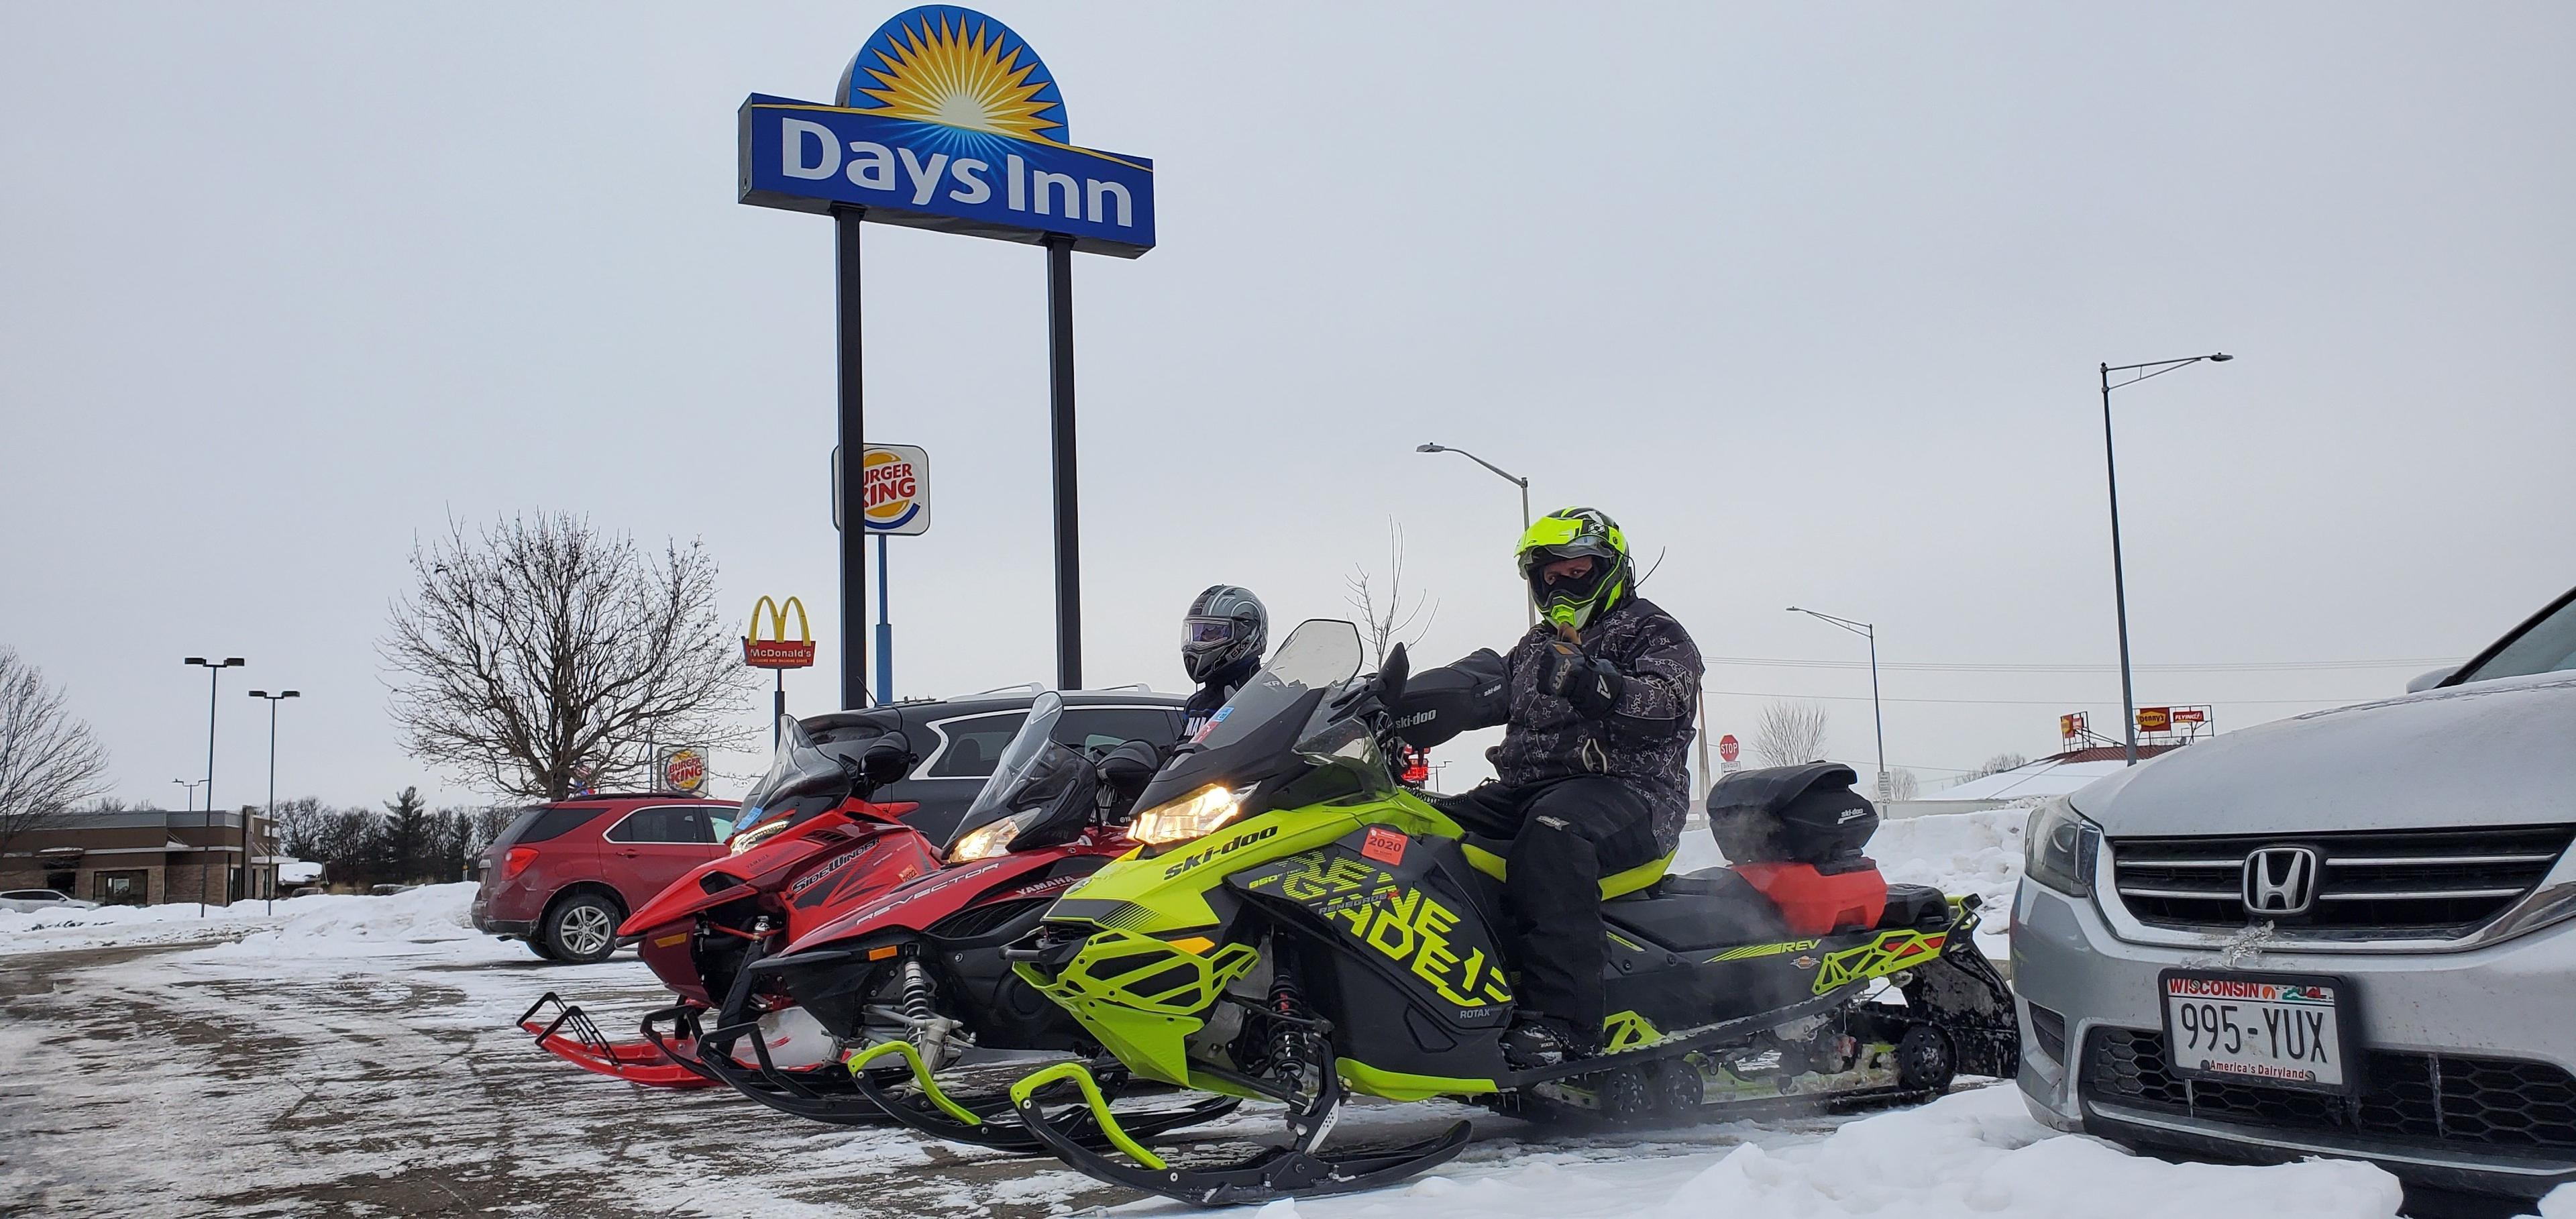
1566, 835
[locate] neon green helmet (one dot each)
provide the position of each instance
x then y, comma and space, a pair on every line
1576, 533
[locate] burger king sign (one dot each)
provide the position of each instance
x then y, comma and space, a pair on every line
894, 489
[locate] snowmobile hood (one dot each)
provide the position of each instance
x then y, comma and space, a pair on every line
2487, 753
918, 905
768, 867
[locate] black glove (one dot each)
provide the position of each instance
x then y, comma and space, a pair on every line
1592, 685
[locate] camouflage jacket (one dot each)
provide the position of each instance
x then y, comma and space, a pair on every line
1645, 738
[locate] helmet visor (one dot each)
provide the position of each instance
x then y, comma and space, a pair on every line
1593, 547
1206, 632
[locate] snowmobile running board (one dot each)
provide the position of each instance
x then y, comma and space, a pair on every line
653, 1061
820, 1094
985, 1124
1280, 1172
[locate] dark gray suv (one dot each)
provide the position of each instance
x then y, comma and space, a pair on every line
959, 739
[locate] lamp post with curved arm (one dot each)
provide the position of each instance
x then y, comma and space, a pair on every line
2111, 478
1507, 476
1877, 724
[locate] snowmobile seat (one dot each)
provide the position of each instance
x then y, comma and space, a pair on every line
1487, 855
1817, 902
1706, 909
1920, 907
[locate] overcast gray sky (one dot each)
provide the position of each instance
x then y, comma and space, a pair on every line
1810, 299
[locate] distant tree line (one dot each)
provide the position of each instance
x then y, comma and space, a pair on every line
404, 843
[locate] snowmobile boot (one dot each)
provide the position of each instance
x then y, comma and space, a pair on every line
1543, 1041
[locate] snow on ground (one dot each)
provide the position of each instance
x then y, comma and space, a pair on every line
356, 1055
1972, 1153
323, 922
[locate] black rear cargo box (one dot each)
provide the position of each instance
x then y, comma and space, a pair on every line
1792, 814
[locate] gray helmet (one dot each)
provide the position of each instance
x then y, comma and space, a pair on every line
1225, 624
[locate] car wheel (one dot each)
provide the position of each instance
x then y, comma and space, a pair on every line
581, 929
537, 944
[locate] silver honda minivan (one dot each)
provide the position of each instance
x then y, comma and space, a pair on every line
2352, 933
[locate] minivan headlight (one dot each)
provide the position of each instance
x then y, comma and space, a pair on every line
1195, 815
2059, 847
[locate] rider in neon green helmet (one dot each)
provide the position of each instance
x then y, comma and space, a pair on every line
1566, 597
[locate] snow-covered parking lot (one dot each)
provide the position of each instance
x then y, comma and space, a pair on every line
355, 1055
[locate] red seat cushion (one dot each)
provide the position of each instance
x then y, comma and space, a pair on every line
1819, 903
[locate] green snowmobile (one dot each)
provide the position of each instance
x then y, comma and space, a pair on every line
1298, 926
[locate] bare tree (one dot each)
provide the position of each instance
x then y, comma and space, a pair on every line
49, 761
1903, 785
544, 652
301, 823
1996, 765
1789, 734
489, 821
1387, 619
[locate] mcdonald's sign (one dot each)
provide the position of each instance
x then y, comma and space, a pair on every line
778, 651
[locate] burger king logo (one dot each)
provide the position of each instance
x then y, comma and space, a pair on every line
894, 490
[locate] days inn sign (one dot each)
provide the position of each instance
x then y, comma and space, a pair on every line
947, 120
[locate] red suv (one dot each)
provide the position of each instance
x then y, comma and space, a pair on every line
564, 875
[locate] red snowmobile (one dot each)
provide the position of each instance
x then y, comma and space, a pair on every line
808, 848
916, 980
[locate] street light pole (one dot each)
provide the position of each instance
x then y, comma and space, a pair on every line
188, 793
1506, 476
1877, 722
214, 679
273, 700
2119, 576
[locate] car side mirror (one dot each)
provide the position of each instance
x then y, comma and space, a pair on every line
2426, 681
886, 760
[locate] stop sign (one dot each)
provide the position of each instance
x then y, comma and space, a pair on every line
1727, 749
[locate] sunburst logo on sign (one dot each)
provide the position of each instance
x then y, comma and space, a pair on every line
947, 120
959, 69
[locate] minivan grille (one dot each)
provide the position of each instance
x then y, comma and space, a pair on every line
2420, 883
2420, 1099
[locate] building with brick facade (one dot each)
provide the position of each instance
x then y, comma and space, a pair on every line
143, 857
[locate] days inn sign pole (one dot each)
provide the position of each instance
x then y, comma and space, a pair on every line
853, 431
948, 120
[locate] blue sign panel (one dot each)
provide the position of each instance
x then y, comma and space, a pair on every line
947, 120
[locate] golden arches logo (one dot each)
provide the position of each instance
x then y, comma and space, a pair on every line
778, 651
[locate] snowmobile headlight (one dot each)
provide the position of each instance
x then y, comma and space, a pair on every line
1195, 815
755, 836
2059, 847
985, 842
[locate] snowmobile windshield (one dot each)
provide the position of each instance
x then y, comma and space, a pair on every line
1034, 771
803, 781
1030, 771
1272, 719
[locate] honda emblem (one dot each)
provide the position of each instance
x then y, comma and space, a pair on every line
2280, 880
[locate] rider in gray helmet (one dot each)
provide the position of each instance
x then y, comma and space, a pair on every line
1221, 642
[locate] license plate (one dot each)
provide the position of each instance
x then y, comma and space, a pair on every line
2284, 1030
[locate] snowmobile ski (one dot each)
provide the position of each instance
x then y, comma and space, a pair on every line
654, 1060
1293, 1171
997, 1122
